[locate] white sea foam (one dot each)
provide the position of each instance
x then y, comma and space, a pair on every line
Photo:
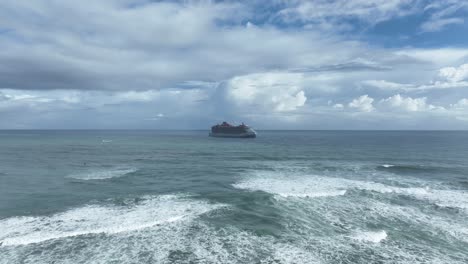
312, 186
432, 223
370, 236
309, 186
96, 219
184, 241
388, 165
102, 174
231, 245
289, 253
444, 198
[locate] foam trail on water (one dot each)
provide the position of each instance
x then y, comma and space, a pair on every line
96, 219
102, 174
320, 187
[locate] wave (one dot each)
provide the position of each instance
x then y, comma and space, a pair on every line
184, 241
102, 174
443, 198
97, 219
310, 186
413, 169
424, 222
370, 236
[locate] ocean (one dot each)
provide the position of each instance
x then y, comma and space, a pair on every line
123, 196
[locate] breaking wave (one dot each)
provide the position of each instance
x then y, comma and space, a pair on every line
102, 174
98, 219
370, 236
320, 187
310, 186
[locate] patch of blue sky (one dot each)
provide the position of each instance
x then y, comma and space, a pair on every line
407, 32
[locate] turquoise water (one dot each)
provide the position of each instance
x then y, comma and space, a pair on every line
183, 197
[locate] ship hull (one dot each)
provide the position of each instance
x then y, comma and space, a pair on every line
229, 135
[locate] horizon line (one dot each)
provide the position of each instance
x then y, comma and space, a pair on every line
196, 129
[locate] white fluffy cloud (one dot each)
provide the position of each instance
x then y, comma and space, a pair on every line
455, 74
401, 103
462, 104
273, 91
362, 103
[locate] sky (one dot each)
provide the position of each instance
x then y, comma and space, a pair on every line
278, 64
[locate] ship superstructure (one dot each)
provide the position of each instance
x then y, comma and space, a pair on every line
227, 130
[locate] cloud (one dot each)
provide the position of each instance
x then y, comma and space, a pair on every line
455, 74
436, 85
155, 45
386, 85
437, 57
338, 106
121, 63
338, 12
439, 24
362, 103
137, 96
443, 14
358, 64
462, 104
449, 78
400, 103
272, 91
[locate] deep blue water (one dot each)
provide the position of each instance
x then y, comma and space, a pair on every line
183, 197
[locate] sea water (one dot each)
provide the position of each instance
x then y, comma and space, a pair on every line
183, 197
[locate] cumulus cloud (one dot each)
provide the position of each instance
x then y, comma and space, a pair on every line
455, 74
338, 106
273, 91
401, 103
362, 103
462, 104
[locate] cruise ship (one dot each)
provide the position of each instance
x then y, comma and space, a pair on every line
227, 130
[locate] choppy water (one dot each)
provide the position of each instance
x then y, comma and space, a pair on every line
284, 197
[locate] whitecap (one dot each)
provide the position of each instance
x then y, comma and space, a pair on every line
431, 222
98, 219
388, 165
101, 174
305, 187
370, 236
310, 186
